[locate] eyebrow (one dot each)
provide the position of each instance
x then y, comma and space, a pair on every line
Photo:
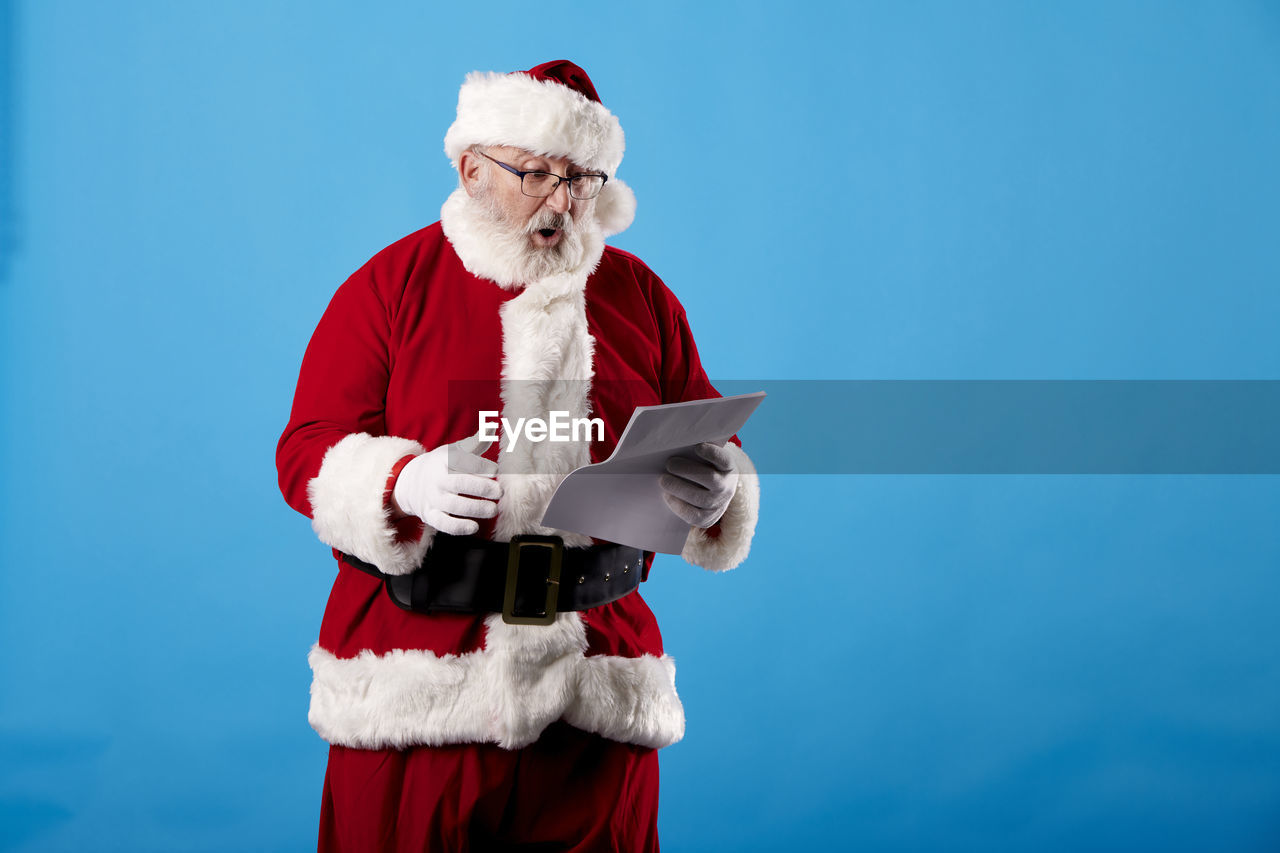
573, 171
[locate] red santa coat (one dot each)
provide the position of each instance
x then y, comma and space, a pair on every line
423, 337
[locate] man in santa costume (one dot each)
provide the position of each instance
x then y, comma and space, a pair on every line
482, 680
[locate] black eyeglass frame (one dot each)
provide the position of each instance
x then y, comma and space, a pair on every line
560, 179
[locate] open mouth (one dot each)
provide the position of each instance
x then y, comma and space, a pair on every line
547, 233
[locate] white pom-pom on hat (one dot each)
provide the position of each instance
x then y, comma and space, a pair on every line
615, 207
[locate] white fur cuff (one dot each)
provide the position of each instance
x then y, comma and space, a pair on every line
348, 508
737, 525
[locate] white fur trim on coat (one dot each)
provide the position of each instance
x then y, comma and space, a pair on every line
546, 366
542, 116
348, 509
737, 525
525, 678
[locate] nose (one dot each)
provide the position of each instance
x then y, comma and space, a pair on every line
559, 200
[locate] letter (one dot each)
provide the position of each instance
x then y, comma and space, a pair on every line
488, 426
512, 433
535, 429
560, 425
589, 424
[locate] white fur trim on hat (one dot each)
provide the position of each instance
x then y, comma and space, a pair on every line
348, 507
737, 525
542, 116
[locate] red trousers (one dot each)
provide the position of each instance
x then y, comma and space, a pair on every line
569, 791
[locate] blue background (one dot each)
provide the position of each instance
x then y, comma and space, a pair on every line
871, 191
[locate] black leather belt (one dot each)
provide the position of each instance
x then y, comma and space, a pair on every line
528, 581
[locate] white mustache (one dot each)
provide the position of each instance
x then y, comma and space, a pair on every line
550, 219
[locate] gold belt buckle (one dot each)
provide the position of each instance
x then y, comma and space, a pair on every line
519, 543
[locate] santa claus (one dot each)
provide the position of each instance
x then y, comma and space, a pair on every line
483, 680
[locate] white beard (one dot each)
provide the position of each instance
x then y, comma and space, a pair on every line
492, 248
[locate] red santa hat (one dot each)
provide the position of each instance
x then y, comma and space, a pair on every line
552, 109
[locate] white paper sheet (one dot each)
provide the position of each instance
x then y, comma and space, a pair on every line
620, 499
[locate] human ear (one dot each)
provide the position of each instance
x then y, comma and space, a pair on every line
469, 166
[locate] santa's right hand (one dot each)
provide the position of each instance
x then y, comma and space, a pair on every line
450, 485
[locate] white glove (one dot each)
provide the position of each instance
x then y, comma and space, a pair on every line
697, 491
433, 484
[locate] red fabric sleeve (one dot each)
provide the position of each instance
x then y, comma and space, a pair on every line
683, 375
341, 386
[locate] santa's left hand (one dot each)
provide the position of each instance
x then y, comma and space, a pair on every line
699, 491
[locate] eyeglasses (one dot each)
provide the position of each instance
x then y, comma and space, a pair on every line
543, 184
